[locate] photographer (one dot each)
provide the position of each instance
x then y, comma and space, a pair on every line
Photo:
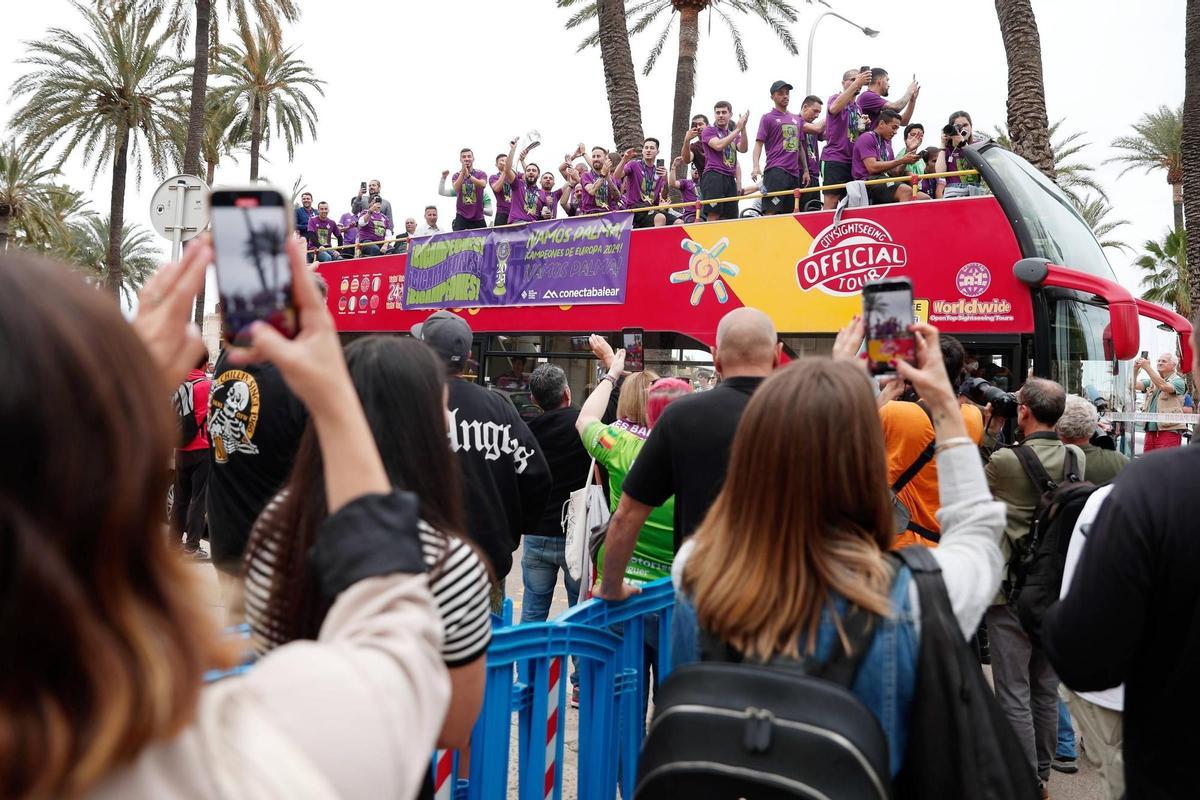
1078, 425
907, 435
959, 133
1165, 388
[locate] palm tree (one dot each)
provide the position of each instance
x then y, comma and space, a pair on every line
139, 253
1166, 277
776, 14
620, 80
109, 91
1071, 176
268, 86
26, 193
1095, 211
1157, 145
1028, 123
1191, 140
68, 208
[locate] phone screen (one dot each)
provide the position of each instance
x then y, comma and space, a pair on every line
250, 229
887, 313
1145, 354
659, 162
635, 355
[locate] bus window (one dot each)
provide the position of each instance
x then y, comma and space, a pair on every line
1055, 229
801, 346
1078, 358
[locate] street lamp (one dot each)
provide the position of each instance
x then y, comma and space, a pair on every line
812, 36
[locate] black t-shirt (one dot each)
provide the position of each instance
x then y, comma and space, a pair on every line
254, 424
1133, 616
688, 452
569, 462
504, 474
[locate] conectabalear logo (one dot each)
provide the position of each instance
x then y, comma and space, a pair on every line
845, 256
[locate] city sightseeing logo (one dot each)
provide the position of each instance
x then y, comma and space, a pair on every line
705, 268
846, 255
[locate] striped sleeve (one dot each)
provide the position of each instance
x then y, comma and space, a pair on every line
462, 592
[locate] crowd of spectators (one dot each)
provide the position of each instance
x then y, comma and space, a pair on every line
828, 146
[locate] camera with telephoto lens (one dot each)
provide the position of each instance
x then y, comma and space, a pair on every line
977, 390
949, 130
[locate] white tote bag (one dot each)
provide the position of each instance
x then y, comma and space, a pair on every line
584, 511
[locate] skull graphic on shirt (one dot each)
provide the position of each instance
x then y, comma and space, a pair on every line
233, 415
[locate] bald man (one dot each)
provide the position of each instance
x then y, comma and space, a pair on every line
688, 450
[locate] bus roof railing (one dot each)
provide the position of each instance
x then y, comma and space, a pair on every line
700, 203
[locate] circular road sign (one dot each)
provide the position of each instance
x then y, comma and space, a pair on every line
186, 190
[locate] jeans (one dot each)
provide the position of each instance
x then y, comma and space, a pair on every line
369, 249
326, 255
541, 560
1065, 747
1026, 687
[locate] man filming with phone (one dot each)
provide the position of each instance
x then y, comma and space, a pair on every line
1165, 388
873, 158
367, 190
643, 178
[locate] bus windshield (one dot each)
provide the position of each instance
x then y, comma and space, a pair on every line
1055, 230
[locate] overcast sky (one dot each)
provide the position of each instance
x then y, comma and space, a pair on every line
409, 84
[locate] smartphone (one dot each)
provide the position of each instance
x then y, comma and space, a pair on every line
250, 231
659, 162
635, 354
363, 186
1145, 354
887, 315
864, 69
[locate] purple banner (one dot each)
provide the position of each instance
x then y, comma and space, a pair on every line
563, 262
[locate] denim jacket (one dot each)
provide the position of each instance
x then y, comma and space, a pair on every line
886, 678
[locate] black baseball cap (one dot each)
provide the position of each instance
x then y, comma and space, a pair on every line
778, 85
448, 335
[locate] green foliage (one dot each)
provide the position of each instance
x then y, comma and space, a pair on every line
88, 252
94, 88
254, 70
27, 192
1095, 211
776, 14
1164, 267
1158, 144
1074, 176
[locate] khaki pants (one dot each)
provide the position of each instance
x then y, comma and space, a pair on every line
1101, 730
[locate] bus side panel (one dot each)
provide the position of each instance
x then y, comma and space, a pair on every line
803, 270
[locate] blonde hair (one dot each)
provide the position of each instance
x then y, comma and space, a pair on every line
804, 513
631, 405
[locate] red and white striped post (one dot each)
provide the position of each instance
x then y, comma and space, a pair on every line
554, 726
443, 775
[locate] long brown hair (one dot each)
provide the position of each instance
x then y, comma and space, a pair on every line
400, 383
804, 512
104, 638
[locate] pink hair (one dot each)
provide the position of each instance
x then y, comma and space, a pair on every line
663, 392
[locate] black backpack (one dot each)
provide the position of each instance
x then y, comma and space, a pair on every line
960, 742
1038, 559
783, 730
185, 410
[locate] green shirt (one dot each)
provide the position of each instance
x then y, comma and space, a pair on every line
1177, 383
916, 168
616, 447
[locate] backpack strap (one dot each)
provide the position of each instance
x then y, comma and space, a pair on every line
1034, 469
919, 464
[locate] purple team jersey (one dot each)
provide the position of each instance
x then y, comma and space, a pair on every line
349, 224
872, 105
841, 130
548, 201
525, 199
688, 194
605, 198
869, 145
724, 163
504, 196
322, 232
468, 201
375, 229
812, 152
642, 184
780, 133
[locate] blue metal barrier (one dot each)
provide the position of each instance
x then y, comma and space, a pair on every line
651, 609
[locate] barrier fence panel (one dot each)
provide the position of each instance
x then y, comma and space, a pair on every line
645, 616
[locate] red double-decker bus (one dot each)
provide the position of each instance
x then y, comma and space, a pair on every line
1015, 274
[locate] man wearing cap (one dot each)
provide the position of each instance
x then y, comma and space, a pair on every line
505, 476
781, 132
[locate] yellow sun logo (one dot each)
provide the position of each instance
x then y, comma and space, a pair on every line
705, 268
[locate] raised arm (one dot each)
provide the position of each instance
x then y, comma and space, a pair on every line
442, 190
626, 157
596, 403
509, 173
842, 100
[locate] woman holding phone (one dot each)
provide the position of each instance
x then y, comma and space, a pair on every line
107, 635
